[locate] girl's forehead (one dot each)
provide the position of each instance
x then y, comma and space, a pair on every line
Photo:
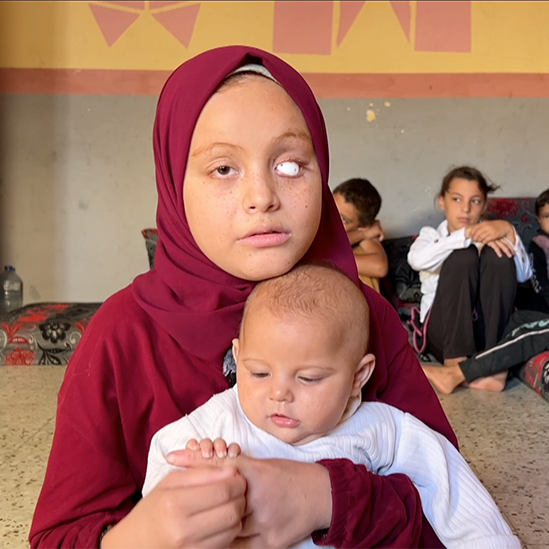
253, 102
459, 185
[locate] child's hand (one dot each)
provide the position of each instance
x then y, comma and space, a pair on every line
502, 246
489, 231
218, 447
373, 232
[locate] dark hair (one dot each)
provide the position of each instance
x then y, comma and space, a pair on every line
542, 200
363, 196
470, 174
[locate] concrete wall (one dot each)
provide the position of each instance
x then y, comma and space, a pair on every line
77, 177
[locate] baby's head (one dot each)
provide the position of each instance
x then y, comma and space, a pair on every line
463, 196
358, 203
301, 354
542, 210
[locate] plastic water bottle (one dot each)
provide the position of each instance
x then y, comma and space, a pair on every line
12, 290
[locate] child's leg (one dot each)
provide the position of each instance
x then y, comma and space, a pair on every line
498, 287
450, 332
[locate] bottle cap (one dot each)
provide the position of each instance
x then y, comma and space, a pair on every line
9, 268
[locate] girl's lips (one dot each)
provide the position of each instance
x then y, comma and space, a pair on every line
266, 240
284, 421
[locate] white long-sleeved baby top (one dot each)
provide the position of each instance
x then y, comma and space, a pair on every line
386, 440
433, 246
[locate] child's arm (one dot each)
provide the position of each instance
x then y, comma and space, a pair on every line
458, 507
372, 260
429, 250
540, 278
372, 232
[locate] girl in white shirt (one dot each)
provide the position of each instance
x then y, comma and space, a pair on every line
469, 270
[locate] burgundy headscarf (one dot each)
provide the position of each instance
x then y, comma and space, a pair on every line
189, 296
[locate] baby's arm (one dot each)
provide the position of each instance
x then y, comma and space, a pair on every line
459, 508
174, 436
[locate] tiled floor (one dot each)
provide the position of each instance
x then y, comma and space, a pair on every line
503, 436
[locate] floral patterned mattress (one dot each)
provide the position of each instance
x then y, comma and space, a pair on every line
43, 333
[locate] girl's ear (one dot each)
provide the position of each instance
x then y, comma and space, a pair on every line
440, 202
363, 373
236, 348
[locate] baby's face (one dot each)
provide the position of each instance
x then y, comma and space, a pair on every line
294, 376
543, 218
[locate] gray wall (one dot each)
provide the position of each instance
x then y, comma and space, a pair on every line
412, 143
77, 177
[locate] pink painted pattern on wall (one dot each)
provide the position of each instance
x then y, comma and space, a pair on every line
349, 11
403, 11
303, 27
113, 20
443, 26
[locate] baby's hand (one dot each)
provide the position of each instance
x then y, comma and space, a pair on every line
218, 447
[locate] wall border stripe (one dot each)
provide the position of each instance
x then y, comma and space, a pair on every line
141, 82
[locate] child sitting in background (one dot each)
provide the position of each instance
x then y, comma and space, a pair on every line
359, 203
539, 252
302, 360
466, 266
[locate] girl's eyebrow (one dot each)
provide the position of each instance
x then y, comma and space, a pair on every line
209, 148
303, 136
459, 194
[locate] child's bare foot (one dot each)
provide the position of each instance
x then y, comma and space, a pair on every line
494, 383
445, 378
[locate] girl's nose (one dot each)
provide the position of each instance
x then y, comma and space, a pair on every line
260, 193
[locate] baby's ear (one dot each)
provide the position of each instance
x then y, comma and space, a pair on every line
236, 348
363, 373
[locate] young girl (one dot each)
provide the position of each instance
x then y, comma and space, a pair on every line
242, 177
469, 270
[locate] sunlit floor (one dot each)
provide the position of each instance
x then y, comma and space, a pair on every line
503, 436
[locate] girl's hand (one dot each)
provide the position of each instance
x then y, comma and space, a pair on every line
286, 500
502, 246
218, 447
488, 231
198, 507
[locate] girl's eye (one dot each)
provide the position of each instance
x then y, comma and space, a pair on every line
259, 375
290, 168
476, 201
223, 170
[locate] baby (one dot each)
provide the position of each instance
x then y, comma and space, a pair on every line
302, 359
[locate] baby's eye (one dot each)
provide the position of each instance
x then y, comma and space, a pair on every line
290, 168
259, 375
310, 379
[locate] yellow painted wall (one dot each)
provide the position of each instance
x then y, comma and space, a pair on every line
507, 37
